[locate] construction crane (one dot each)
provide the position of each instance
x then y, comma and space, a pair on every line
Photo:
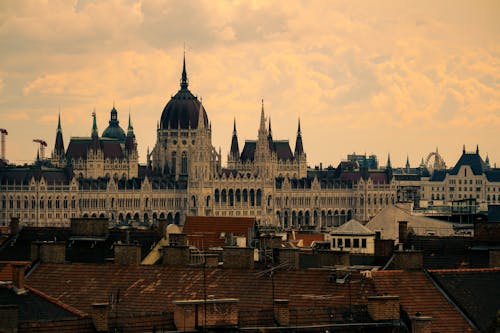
43, 144
3, 133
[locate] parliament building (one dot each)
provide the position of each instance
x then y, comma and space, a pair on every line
100, 176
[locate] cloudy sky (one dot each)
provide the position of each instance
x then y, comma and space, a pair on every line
375, 77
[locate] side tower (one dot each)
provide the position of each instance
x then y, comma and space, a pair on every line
299, 154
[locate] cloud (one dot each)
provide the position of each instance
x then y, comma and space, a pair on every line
359, 75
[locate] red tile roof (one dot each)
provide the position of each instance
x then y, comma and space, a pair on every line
205, 231
307, 239
6, 269
418, 294
154, 288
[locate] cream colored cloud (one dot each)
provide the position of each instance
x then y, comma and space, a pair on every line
382, 76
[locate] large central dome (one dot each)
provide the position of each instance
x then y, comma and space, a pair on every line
182, 111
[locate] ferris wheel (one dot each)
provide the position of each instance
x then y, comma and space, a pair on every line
434, 161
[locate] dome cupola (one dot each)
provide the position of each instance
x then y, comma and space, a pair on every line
114, 131
182, 111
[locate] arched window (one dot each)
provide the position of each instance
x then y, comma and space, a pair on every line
184, 163
174, 161
238, 195
259, 197
224, 196
58, 203
216, 195
231, 197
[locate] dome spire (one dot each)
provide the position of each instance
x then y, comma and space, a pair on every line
184, 79
94, 125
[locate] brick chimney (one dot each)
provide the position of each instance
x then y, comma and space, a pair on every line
384, 307
287, 255
494, 258
49, 252
420, 324
332, 258
9, 318
18, 277
175, 256
408, 260
100, 316
403, 232
14, 225
177, 239
127, 254
238, 257
162, 227
281, 312
189, 315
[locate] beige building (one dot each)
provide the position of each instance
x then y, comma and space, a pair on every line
353, 237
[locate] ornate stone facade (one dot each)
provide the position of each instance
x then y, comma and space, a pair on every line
100, 176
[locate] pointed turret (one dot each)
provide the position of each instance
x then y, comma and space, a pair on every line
95, 134
388, 166
262, 127
299, 148
94, 126
59, 144
235, 149
130, 140
463, 150
487, 160
270, 136
407, 166
477, 149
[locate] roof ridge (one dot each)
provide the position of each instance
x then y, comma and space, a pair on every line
57, 302
446, 270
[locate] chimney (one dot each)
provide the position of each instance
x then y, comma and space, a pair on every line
14, 225
287, 255
384, 307
100, 316
281, 312
175, 256
162, 227
189, 315
332, 258
49, 252
238, 257
407, 260
420, 324
403, 232
127, 254
177, 239
494, 258
18, 277
9, 318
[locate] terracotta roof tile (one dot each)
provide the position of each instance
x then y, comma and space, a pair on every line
418, 294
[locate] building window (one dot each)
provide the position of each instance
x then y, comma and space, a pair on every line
347, 242
340, 242
333, 242
184, 163
355, 243
363, 243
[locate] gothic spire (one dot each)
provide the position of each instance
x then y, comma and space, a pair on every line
235, 149
389, 166
59, 144
407, 163
184, 78
299, 148
130, 129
